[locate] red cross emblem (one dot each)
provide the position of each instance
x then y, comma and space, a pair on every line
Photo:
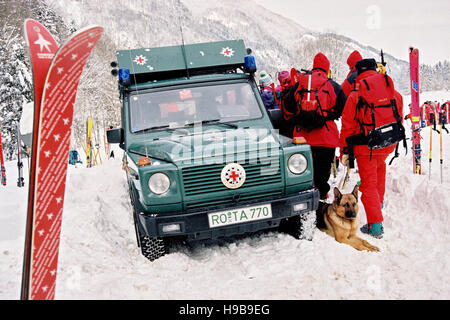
140, 60
227, 52
233, 175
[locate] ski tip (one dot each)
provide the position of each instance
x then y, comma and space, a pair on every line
31, 21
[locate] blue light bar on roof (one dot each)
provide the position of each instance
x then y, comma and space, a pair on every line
124, 77
249, 64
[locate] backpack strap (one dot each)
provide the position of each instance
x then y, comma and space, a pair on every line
367, 85
274, 94
319, 106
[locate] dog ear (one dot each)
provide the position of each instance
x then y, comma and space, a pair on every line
355, 192
337, 195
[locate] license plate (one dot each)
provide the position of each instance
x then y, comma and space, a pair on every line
240, 215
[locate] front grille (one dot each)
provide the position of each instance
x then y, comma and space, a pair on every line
205, 179
226, 200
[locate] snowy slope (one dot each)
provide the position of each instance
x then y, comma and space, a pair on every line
99, 258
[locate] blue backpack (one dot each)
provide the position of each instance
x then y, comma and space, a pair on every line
268, 99
74, 157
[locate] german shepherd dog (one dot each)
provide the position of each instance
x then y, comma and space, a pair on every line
339, 220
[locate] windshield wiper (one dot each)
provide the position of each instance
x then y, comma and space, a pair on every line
154, 128
231, 125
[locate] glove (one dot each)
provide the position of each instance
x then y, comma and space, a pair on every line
344, 160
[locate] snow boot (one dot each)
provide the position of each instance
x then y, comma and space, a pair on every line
373, 229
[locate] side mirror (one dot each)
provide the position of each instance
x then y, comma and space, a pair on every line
115, 135
276, 116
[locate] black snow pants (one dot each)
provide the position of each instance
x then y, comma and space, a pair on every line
322, 160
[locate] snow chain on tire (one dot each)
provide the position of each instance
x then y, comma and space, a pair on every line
152, 248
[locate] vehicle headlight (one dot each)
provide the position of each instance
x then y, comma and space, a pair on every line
159, 183
297, 163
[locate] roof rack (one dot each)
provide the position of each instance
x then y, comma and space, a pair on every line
149, 64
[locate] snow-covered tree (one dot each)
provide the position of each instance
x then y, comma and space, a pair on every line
15, 76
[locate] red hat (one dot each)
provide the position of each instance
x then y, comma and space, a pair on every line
354, 57
321, 62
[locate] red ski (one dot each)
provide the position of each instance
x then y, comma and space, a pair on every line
41, 48
415, 109
50, 151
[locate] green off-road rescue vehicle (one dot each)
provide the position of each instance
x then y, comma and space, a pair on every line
202, 156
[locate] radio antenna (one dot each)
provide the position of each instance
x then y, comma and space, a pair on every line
183, 50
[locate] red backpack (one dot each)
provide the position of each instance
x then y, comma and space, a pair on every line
377, 113
315, 96
286, 86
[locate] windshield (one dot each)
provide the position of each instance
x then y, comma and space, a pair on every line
184, 107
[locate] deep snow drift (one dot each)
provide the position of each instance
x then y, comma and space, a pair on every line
99, 258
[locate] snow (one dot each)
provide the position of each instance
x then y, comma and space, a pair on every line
26, 120
99, 258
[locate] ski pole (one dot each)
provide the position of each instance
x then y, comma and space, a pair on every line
351, 164
2, 164
333, 167
431, 151
347, 176
441, 160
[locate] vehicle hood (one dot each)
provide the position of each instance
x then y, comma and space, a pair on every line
202, 147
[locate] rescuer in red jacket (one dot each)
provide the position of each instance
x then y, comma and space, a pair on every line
349, 82
371, 162
318, 128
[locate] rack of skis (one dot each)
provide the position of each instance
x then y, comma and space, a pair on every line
22, 151
434, 114
91, 147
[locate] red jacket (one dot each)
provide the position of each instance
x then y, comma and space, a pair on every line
332, 106
351, 127
328, 135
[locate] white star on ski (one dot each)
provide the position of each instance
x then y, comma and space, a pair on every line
47, 85
56, 136
60, 70
42, 43
90, 44
53, 272
41, 232
58, 200
74, 56
47, 154
44, 289
66, 121
50, 216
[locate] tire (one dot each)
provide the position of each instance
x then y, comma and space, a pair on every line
151, 248
136, 211
301, 227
